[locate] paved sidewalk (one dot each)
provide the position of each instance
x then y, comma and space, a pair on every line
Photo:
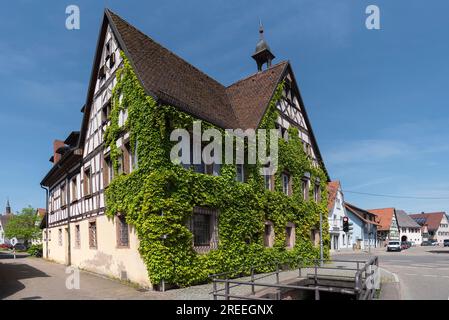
33, 279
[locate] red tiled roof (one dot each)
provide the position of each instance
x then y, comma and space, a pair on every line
384, 217
332, 189
40, 212
433, 219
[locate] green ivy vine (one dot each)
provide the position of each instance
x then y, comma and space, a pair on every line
158, 197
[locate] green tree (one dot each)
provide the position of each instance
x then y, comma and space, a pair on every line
24, 225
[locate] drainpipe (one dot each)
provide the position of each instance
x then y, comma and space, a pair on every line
69, 253
321, 237
46, 219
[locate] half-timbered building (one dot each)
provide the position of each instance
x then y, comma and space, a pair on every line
76, 230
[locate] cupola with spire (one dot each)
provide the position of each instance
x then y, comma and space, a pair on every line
8, 207
263, 54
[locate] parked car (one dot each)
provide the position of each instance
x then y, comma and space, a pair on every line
20, 247
394, 246
434, 242
5, 246
426, 243
446, 242
412, 243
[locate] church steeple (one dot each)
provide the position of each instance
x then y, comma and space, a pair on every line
263, 53
8, 207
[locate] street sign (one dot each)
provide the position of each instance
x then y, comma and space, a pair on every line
13, 241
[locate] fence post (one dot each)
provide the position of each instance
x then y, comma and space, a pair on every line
215, 288
253, 291
299, 268
277, 273
227, 290
317, 294
316, 273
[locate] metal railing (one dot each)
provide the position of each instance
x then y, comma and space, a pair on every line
363, 272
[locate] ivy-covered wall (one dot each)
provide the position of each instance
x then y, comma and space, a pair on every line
158, 197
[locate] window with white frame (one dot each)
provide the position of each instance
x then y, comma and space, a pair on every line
286, 184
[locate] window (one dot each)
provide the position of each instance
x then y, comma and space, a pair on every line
127, 159
60, 237
120, 164
315, 237
93, 234
286, 184
106, 112
74, 190
77, 236
63, 196
122, 232
203, 226
108, 171
87, 182
317, 192
269, 234
305, 186
240, 173
290, 235
49, 235
269, 182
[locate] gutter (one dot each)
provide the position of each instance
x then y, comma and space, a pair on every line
46, 219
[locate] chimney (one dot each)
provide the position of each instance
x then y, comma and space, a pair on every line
56, 145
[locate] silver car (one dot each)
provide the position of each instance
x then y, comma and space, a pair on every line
394, 246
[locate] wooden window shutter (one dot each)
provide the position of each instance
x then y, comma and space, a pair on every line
106, 177
126, 163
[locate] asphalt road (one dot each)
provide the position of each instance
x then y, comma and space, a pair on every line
423, 272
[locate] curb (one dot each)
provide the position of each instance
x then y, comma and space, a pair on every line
390, 290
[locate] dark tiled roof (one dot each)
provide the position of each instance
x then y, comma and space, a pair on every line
432, 220
361, 213
250, 97
171, 79
4, 218
165, 75
404, 220
332, 189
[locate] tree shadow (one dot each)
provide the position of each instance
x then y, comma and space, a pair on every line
12, 272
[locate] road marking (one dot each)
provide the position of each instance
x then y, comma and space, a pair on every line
430, 275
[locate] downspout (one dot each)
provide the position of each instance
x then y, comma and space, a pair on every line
69, 252
46, 219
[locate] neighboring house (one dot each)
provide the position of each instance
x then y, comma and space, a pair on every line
436, 223
364, 227
388, 227
4, 218
409, 230
76, 229
40, 213
335, 204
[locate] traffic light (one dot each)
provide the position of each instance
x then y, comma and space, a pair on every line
345, 224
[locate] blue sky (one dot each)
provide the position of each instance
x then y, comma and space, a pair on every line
377, 99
